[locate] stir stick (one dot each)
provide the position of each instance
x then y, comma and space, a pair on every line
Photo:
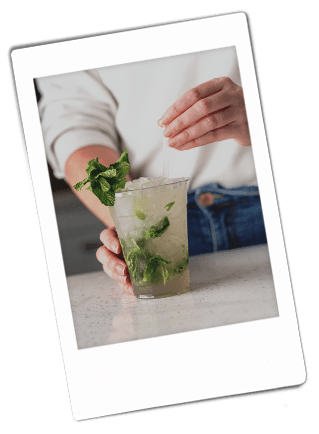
165, 157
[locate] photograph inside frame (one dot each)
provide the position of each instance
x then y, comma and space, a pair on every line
156, 197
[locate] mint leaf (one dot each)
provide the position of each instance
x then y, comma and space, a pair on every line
164, 273
123, 158
122, 170
94, 165
137, 261
109, 198
105, 181
101, 191
108, 173
182, 265
139, 214
169, 205
158, 229
179, 269
151, 267
139, 243
119, 185
105, 186
122, 166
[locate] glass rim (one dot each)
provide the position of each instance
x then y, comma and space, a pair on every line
183, 179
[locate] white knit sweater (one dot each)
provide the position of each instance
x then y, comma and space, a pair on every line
119, 106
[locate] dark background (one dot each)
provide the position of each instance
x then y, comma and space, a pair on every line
33, 385
56, 184
79, 229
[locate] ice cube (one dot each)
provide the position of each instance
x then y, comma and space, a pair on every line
143, 182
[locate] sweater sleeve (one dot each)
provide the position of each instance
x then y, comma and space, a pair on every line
76, 110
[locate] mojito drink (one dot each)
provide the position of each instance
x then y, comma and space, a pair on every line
151, 221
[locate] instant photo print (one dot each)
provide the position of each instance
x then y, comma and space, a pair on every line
234, 330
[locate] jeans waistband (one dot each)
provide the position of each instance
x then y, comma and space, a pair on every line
222, 193
226, 198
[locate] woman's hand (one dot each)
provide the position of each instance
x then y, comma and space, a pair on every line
210, 112
111, 257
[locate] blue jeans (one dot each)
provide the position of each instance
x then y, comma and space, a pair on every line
234, 219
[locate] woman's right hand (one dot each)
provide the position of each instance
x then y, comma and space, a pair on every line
111, 257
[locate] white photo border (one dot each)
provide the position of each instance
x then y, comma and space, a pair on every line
222, 361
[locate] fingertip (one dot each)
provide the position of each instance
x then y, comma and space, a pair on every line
103, 235
168, 132
114, 247
127, 288
113, 229
163, 122
132, 292
97, 253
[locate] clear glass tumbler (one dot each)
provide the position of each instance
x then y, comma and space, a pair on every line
151, 223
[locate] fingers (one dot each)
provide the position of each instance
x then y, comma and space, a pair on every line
118, 277
191, 97
112, 264
110, 239
112, 260
224, 133
206, 124
127, 287
200, 109
115, 268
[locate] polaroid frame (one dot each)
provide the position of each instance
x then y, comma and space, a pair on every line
222, 361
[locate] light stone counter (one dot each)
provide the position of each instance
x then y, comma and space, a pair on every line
227, 288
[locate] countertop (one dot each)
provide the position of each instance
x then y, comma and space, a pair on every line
228, 287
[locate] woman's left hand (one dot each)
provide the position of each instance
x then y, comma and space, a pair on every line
208, 113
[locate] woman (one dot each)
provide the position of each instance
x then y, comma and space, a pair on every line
97, 113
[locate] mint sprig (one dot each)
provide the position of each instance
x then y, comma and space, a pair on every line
106, 181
